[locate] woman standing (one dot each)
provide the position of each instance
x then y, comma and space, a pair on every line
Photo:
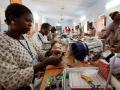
17, 53
113, 30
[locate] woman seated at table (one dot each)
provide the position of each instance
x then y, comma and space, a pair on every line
76, 55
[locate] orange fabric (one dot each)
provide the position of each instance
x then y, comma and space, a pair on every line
16, 1
53, 72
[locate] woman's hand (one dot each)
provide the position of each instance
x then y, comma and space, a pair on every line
53, 42
55, 52
54, 60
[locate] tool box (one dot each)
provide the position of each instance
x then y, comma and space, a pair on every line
84, 78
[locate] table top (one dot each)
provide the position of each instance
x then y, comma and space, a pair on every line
68, 61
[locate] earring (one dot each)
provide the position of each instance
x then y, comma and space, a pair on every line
12, 22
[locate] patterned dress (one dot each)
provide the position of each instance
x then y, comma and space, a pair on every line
16, 68
41, 41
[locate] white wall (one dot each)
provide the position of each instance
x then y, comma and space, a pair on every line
96, 10
3, 5
3, 26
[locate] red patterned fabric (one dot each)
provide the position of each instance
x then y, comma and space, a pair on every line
104, 68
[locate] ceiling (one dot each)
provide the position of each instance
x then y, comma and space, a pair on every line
64, 7
61, 9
